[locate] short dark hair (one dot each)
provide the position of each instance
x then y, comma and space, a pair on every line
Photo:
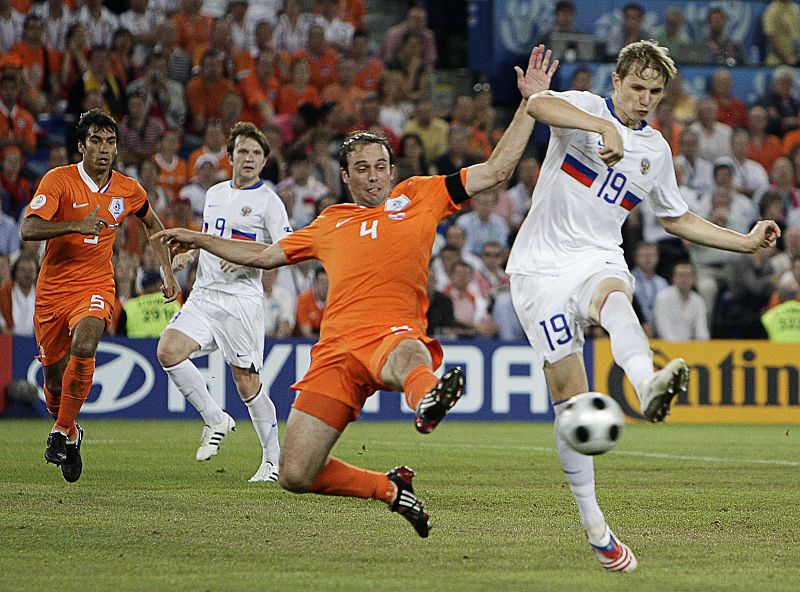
98, 119
564, 5
362, 138
248, 130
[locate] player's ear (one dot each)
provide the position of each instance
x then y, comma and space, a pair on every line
345, 176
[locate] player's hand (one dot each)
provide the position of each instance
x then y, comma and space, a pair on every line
612, 150
91, 224
178, 239
171, 289
229, 267
764, 234
181, 260
539, 73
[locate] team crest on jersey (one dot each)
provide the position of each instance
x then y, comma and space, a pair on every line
397, 204
116, 207
38, 201
644, 166
246, 210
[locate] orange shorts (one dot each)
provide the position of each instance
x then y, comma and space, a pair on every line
348, 368
332, 411
53, 325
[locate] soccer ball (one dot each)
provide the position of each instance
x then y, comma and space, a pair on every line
591, 423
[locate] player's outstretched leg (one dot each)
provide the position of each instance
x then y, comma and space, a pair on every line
212, 437
616, 555
662, 388
407, 504
439, 400
72, 467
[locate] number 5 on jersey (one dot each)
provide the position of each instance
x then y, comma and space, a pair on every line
371, 231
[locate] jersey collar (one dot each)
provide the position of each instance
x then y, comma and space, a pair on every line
610, 105
91, 184
255, 185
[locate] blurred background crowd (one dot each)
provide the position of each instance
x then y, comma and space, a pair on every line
177, 74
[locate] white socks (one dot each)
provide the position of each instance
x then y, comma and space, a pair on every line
265, 422
579, 471
629, 344
191, 384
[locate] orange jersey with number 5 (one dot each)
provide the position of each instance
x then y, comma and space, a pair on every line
376, 258
75, 263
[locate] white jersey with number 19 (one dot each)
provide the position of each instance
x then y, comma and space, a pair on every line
579, 204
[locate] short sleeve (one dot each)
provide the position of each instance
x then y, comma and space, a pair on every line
666, 200
301, 245
48, 195
277, 220
434, 192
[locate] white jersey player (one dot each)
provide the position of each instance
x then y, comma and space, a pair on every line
566, 265
225, 310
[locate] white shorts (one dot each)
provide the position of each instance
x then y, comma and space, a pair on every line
232, 324
554, 308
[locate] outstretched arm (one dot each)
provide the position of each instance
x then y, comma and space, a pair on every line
506, 154
235, 251
152, 226
700, 231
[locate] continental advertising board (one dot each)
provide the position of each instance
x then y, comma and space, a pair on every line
731, 381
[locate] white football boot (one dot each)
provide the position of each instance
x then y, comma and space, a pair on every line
212, 436
664, 386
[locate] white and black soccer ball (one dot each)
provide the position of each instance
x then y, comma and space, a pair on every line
591, 423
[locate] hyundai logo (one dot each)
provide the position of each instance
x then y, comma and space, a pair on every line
124, 376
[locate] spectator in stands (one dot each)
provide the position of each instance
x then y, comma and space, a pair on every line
99, 21
17, 125
193, 28
685, 104
143, 25
743, 212
749, 177
139, 132
164, 98
15, 190
673, 34
74, 62
9, 236
56, 18
470, 309
491, 277
11, 24
344, 91
648, 283
299, 92
441, 319
338, 33
18, 297
482, 225
306, 189
204, 92
205, 167
782, 323
242, 31
324, 167
698, 173
781, 25
173, 171
370, 120
98, 79
260, 89
783, 262
730, 110
430, 129
750, 290
765, 147
773, 204
456, 156
322, 60
415, 22
179, 62
41, 65
147, 315
722, 50
291, 30
368, 68
563, 21
629, 30
235, 62
410, 63
158, 195
279, 315
714, 138
411, 161
214, 138
311, 306
782, 108
478, 144
668, 125
456, 236
581, 79
122, 65
680, 313
783, 180
392, 113
786, 279
514, 203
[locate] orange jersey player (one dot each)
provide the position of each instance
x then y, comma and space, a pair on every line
77, 209
376, 253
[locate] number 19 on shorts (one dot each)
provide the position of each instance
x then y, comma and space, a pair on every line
556, 328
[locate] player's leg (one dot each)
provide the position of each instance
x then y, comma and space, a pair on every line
409, 368
264, 418
173, 351
314, 425
611, 308
56, 449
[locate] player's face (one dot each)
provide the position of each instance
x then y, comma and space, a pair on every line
99, 150
248, 160
636, 97
369, 174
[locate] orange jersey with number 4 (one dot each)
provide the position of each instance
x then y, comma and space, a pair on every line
76, 263
376, 258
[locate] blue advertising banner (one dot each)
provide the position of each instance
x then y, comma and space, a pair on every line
504, 381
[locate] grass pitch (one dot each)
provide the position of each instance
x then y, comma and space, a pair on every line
704, 508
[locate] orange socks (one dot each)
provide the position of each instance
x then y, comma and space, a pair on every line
340, 478
417, 384
76, 384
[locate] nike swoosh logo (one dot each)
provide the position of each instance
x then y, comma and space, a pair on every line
340, 222
80, 205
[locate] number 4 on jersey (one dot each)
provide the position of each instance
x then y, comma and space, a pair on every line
372, 230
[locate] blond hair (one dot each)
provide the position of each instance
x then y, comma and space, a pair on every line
640, 56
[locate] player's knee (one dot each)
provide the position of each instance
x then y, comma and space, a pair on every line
168, 353
294, 481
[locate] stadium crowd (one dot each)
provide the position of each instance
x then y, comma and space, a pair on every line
177, 74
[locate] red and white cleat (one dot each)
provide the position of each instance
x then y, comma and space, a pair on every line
616, 555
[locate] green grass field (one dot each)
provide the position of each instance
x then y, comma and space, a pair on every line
704, 508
